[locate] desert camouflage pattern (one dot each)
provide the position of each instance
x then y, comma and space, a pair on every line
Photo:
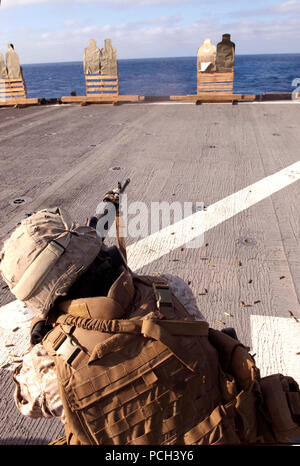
36, 394
45, 255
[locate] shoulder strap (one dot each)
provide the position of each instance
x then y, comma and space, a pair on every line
121, 239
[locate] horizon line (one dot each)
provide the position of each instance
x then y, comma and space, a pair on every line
158, 58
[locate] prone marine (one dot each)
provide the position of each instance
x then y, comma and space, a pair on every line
126, 359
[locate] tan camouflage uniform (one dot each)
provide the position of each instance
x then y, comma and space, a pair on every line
36, 393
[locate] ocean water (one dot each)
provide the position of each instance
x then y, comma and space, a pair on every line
254, 74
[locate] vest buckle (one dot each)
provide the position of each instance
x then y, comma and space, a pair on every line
162, 294
67, 349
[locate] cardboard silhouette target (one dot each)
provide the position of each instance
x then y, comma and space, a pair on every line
91, 58
101, 76
215, 67
109, 64
206, 56
12, 63
3, 69
225, 55
12, 85
101, 70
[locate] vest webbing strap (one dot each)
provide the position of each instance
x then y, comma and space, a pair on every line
152, 329
209, 423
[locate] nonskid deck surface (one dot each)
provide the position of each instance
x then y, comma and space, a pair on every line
241, 162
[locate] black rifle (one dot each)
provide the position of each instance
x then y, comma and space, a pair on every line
117, 255
110, 196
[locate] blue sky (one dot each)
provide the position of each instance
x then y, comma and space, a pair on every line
59, 30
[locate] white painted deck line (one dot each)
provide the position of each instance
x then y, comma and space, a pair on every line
283, 333
153, 247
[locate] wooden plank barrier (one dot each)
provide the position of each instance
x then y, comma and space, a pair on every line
100, 85
217, 97
101, 89
13, 91
215, 83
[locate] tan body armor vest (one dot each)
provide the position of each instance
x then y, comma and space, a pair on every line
135, 369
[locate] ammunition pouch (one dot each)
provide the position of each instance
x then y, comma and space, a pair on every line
281, 406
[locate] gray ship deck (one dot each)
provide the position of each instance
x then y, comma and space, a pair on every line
242, 161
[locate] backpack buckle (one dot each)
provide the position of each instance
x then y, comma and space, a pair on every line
162, 294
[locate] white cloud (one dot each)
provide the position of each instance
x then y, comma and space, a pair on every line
290, 6
72, 22
15, 3
169, 35
163, 36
